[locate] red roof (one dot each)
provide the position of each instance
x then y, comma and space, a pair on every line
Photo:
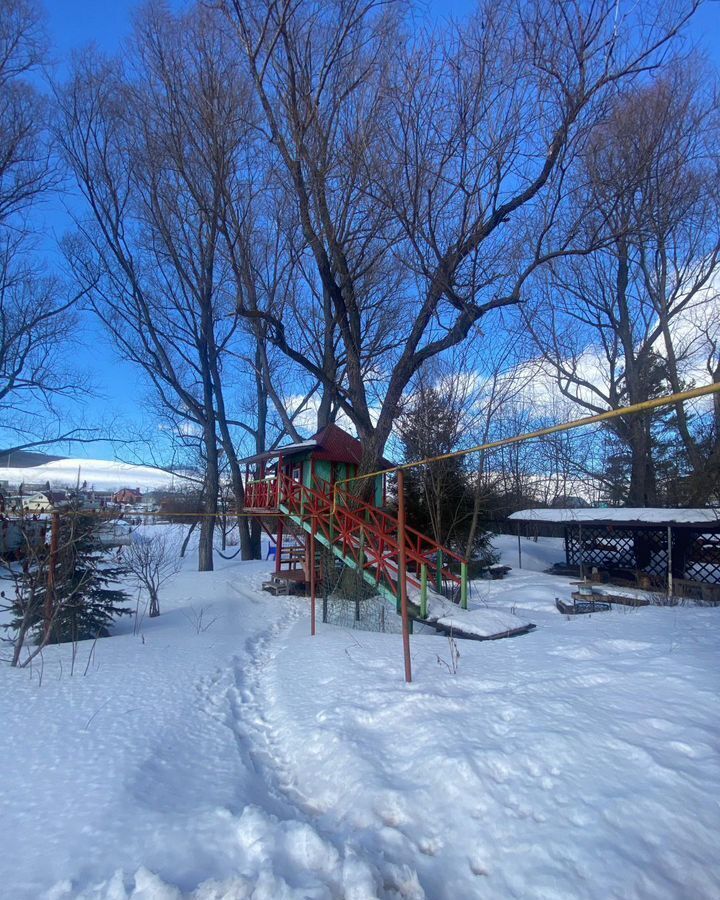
337, 445
331, 443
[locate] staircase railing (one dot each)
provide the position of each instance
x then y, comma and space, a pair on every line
368, 536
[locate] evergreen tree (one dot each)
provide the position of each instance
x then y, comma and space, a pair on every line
84, 600
439, 496
626, 466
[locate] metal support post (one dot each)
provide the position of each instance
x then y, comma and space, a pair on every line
312, 575
402, 574
49, 610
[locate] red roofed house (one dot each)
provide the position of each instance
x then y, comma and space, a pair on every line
127, 495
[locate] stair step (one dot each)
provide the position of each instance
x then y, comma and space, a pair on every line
308, 510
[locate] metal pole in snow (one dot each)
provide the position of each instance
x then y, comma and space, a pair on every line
519, 549
463, 585
49, 610
669, 562
312, 576
582, 553
402, 574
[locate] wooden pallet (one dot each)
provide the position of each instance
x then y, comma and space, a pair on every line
581, 607
611, 598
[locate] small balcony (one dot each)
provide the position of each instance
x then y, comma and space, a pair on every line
261, 495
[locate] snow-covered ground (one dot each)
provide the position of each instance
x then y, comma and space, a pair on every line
223, 752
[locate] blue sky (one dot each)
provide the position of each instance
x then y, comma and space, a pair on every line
118, 386
75, 23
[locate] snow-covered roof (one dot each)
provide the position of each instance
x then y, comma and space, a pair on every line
650, 515
286, 450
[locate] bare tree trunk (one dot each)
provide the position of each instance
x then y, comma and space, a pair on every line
210, 502
643, 484
261, 428
186, 539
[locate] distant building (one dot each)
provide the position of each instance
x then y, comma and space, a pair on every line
44, 501
128, 495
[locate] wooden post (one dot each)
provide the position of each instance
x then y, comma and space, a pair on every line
312, 576
423, 591
669, 563
438, 573
582, 555
49, 611
402, 574
463, 585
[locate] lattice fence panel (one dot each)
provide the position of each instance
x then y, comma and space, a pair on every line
619, 548
629, 550
703, 559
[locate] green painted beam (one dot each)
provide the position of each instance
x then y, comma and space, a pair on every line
367, 574
423, 591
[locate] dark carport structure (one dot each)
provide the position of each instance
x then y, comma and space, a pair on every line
676, 551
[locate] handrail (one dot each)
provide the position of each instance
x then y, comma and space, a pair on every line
375, 532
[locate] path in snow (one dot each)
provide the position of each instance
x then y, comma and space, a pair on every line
579, 761
262, 738
149, 778
253, 761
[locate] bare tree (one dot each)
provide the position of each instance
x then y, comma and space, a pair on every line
426, 175
677, 239
25, 167
36, 310
144, 144
614, 327
151, 562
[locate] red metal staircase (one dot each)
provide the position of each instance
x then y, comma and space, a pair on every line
365, 538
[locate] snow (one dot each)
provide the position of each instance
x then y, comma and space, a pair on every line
223, 752
649, 515
102, 474
280, 451
535, 555
478, 620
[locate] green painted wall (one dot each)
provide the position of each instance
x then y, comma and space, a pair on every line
379, 490
323, 470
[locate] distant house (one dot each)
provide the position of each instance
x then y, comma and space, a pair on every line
127, 495
44, 501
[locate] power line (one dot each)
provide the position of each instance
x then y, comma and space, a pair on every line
667, 400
